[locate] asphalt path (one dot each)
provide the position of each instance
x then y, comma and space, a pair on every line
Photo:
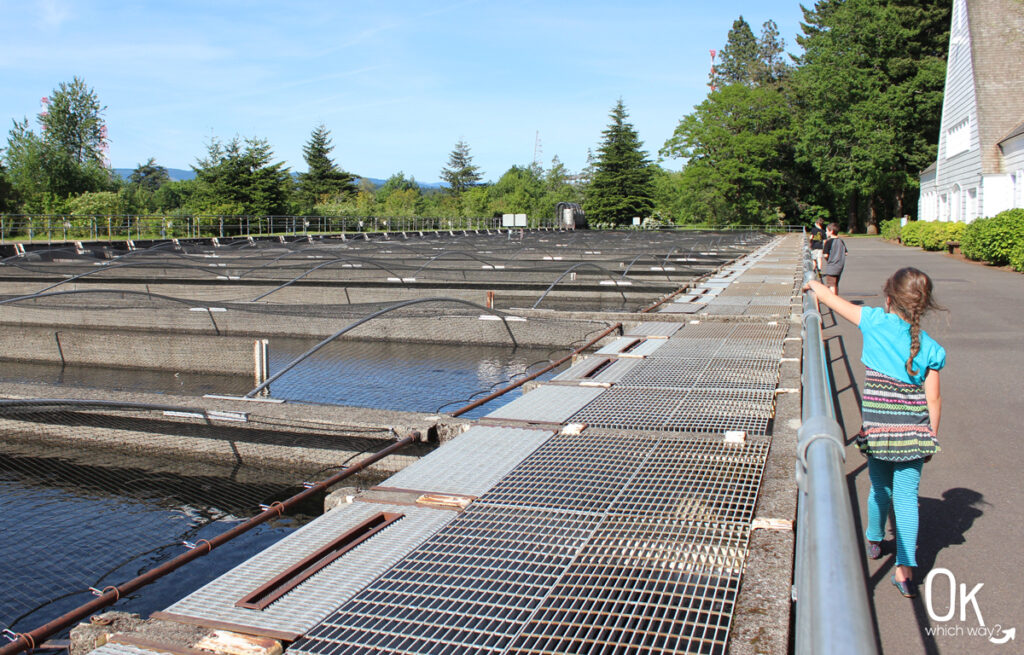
971, 498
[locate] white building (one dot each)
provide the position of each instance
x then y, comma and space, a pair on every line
979, 171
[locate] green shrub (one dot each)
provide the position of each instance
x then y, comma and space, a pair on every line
1017, 258
955, 231
993, 239
890, 229
934, 235
912, 233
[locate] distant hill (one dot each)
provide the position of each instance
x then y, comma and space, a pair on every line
178, 174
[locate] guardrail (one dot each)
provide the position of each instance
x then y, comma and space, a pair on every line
832, 612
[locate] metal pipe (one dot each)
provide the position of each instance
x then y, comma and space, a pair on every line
832, 612
514, 385
35, 638
370, 317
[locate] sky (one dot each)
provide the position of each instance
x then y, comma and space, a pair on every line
397, 83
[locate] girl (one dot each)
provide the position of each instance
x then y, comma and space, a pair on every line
900, 407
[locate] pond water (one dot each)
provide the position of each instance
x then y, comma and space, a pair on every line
71, 521
382, 375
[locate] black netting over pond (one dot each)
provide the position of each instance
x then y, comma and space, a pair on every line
92, 495
595, 267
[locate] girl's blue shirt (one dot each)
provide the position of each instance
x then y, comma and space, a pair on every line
887, 346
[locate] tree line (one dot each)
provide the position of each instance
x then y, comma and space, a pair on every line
840, 131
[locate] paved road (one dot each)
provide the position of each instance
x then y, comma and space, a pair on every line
971, 498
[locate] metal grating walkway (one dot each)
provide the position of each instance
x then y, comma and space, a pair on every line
651, 562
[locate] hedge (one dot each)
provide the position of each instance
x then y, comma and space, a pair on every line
1017, 258
890, 229
912, 233
994, 239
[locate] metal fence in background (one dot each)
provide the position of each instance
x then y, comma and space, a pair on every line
48, 228
57, 227
832, 613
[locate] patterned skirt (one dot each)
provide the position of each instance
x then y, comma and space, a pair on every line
895, 424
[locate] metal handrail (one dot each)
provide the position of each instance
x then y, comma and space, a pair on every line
832, 612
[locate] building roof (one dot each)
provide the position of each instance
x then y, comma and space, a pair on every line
931, 168
1017, 131
997, 49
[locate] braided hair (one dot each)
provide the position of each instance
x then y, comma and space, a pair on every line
909, 291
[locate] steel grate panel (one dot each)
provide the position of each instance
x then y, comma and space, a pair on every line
764, 309
682, 307
317, 597
470, 588
458, 468
719, 410
583, 473
705, 373
631, 408
647, 348
654, 329
720, 348
670, 588
767, 332
701, 480
547, 403
728, 309
693, 410
617, 346
611, 369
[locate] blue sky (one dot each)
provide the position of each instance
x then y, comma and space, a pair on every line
397, 83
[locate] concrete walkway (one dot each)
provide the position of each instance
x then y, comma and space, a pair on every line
971, 499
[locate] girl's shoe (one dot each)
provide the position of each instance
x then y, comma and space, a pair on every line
874, 550
907, 587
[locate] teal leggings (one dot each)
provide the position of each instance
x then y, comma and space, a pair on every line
895, 483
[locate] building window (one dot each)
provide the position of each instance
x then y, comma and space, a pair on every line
958, 138
972, 204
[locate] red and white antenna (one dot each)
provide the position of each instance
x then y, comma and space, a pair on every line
711, 82
45, 104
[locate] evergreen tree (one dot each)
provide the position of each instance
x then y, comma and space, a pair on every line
324, 180
8, 200
870, 89
74, 122
149, 176
740, 59
233, 180
771, 49
460, 174
622, 185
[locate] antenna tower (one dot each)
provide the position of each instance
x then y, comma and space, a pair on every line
537, 150
711, 77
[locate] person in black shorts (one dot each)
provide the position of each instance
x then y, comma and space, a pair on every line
817, 235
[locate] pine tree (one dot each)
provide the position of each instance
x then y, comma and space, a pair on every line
324, 180
622, 186
460, 174
740, 58
771, 49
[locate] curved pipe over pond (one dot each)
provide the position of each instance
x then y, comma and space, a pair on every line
570, 270
368, 318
